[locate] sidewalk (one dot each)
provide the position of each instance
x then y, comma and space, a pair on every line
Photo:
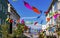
31, 35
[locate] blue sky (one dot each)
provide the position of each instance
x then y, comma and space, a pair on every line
25, 12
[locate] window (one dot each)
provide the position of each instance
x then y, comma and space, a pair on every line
0, 7
55, 7
3, 9
7, 16
6, 11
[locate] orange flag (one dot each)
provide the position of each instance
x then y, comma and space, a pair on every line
48, 19
35, 10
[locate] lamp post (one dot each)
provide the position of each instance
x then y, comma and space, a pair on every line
10, 23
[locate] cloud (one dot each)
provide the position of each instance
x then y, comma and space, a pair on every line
28, 17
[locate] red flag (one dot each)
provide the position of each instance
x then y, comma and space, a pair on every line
35, 23
11, 21
48, 19
35, 10
46, 12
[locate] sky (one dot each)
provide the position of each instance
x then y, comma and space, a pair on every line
29, 15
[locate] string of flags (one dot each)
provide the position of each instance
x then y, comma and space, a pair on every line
34, 9
11, 20
53, 15
46, 12
37, 11
31, 8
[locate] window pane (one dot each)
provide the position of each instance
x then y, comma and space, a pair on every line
3, 9
0, 7
7, 16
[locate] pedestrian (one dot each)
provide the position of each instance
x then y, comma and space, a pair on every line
54, 34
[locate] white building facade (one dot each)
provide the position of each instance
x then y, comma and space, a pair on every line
12, 14
54, 7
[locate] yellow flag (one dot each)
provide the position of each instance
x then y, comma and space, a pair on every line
7, 19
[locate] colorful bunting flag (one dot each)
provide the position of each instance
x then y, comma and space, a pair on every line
38, 16
48, 19
55, 16
14, 21
41, 22
51, 17
27, 5
51, 14
35, 10
7, 19
35, 23
11, 21
46, 13
32, 8
22, 21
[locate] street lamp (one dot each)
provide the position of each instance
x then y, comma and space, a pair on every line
10, 23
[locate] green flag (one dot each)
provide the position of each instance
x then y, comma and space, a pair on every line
51, 14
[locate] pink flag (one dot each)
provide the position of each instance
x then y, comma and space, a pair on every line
55, 16
27, 5
22, 21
